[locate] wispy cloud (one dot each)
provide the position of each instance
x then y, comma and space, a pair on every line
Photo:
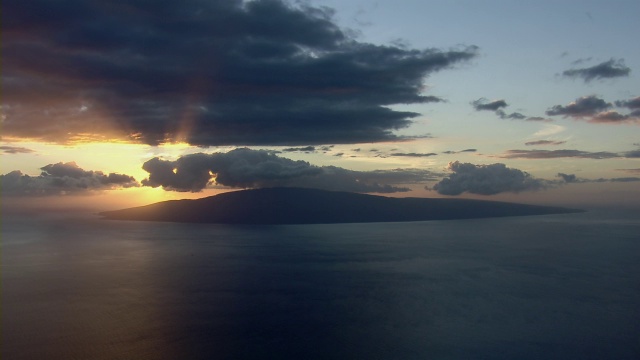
544, 142
553, 154
413, 154
15, 150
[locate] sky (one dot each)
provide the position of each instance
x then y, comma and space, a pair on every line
121, 103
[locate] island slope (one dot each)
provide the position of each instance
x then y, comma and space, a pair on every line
312, 206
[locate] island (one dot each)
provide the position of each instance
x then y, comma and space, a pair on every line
313, 206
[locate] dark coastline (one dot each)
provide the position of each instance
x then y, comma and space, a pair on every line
312, 206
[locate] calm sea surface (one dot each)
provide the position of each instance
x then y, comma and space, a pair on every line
542, 287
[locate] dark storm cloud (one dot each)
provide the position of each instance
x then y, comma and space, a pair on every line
15, 150
552, 154
544, 142
61, 179
484, 104
486, 180
217, 72
582, 107
246, 168
608, 69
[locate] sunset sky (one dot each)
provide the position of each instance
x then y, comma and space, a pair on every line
122, 103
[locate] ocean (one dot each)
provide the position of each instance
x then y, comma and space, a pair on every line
537, 287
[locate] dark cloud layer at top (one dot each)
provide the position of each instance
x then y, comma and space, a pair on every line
608, 69
486, 180
215, 72
246, 168
61, 179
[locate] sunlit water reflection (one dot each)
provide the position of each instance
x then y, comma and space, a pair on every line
552, 287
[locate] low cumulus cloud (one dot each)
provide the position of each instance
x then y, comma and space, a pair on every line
606, 70
217, 72
15, 150
246, 168
62, 179
596, 110
486, 180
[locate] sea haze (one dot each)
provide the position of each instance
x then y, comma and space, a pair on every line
538, 287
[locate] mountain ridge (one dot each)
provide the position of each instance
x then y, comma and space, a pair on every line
314, 206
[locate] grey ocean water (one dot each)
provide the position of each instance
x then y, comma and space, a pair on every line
541, 287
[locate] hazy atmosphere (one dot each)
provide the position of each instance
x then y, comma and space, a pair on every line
320, 179
122, 103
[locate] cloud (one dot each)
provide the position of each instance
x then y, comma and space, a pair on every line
414, 154
486, 180
450, 152
612, 117
218, 72
571, 179
15, 150
633, 104
608, 69
596, 110
568, 178
246, 168
544, 142
632, 171
549, 129
300, 149
581, 107
538, 118
512, 116
497, 106
484, 104
553, 154
62, 179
